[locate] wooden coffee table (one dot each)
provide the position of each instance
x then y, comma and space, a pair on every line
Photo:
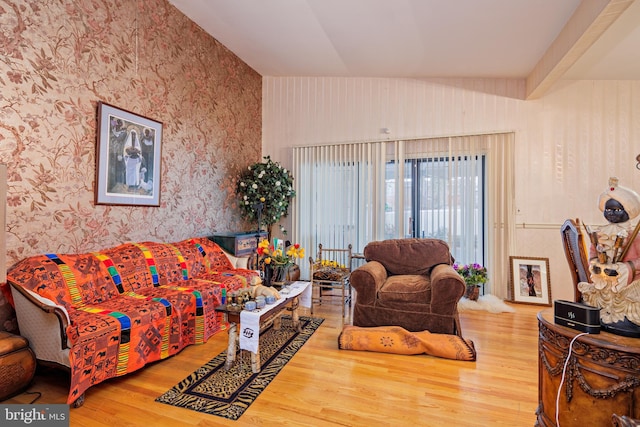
270, 314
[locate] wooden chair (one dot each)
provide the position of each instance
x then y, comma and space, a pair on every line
330, 270
576, 253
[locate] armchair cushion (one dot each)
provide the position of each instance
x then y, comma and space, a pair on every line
405, 288
409, 256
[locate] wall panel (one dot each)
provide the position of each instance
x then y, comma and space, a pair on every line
568, 142
59, 60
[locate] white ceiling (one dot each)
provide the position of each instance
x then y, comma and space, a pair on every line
427, 38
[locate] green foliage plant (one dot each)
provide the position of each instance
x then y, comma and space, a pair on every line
267, 183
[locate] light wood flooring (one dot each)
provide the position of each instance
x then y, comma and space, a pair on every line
324, 386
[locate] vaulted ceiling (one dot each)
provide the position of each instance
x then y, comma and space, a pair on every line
541, 41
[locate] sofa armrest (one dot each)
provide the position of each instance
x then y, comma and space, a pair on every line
366, 280
447, 287
44, 304
44, 324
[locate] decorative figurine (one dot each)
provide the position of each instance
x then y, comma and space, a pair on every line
258, 289
615, 262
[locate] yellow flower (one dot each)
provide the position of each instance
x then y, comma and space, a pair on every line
330, 263
270, 255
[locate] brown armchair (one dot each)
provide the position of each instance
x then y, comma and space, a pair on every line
408, 283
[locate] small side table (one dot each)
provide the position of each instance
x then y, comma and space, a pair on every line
17, 364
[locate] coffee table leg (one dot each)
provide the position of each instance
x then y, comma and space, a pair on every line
255, 361
231, 349
295, 317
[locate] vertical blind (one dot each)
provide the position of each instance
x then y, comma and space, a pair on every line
458, 189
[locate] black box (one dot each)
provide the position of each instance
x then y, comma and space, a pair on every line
582, 317
239, 244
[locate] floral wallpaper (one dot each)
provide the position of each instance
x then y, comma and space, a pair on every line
58, 59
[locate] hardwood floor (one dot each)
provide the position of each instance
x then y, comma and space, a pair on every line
324, 386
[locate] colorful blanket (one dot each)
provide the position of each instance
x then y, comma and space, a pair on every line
132, 304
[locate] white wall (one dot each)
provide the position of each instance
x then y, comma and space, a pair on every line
568, 142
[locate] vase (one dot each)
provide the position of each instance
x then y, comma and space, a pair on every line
293, 273
277, 274
273, 274
267, 275
472, 293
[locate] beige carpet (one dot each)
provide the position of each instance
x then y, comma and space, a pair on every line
489, 303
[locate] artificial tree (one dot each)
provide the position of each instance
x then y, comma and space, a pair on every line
265, 190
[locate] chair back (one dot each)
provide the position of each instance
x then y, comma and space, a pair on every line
410, 255
576, 253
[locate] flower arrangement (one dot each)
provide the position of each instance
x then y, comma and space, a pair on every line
276, 262
274, 256
269, 184
473, 274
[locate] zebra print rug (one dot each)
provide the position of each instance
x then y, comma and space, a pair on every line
213, 390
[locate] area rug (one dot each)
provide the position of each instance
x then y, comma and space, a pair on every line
490, 303
213, 390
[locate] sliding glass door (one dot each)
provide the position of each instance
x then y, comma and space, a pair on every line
441, 197
458, 189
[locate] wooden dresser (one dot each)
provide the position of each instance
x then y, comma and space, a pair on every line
602, 377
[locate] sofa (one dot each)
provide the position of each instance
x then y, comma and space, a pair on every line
108, 313
409, 283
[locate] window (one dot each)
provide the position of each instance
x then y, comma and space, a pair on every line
444, 198
458, 189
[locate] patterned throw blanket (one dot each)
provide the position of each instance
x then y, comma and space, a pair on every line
131, 304
397, 340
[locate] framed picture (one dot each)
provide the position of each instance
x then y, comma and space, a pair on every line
530, 283
128, 157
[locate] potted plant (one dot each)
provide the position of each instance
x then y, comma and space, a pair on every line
474, 276
265, 191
